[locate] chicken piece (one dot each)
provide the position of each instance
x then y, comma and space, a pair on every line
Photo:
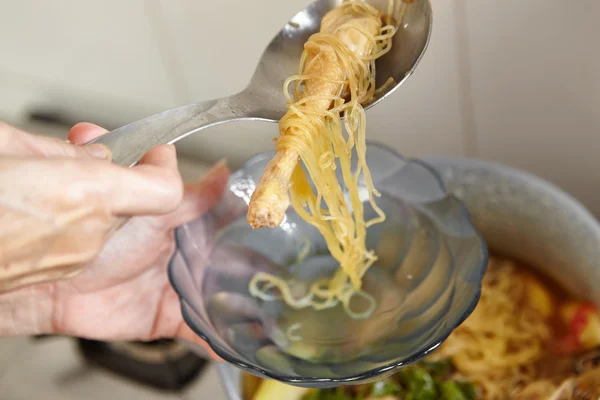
270, 199
583, 387
587, 386
540, 390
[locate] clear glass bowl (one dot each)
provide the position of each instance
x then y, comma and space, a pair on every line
426, 281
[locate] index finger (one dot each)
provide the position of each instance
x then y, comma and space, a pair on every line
15, 142
153, 187
85, 132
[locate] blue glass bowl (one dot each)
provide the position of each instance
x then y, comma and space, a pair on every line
426, 281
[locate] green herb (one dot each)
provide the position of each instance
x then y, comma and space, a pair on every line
438, 369
450, 390
328, 394
419, 383
469, 390
386, 388
455, 390
425, 381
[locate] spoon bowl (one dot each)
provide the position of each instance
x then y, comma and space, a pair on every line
281, 58
263, 98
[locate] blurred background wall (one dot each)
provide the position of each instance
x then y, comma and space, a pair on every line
511, 81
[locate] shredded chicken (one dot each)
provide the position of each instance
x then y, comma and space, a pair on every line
583, 387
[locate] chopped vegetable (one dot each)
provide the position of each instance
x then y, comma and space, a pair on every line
454, 390
538, 297
590, 334
424, 381
274, 390
583, 322
419, 383
438, 369
469, 390
450, 390
326, 394
385, 388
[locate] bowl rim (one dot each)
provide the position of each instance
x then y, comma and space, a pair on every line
373, 372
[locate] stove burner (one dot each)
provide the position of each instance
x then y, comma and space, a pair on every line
162, 364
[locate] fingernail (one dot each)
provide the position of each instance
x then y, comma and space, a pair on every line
216, 169
220, 165
98, 150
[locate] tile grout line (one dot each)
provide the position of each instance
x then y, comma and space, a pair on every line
470, 137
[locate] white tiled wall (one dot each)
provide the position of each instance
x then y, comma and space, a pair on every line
512, 81
106, 54
217, 44
535, 80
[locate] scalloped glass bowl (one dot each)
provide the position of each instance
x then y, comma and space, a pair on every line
426, 281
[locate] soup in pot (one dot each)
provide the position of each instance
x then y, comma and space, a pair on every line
526, 339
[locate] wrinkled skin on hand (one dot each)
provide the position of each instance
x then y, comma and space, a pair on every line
57, 212
63, 211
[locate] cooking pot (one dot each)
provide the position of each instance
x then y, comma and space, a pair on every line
520, 216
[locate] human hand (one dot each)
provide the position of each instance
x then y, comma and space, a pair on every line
59, 203
123, 293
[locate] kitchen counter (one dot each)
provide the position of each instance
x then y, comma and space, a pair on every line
52, 369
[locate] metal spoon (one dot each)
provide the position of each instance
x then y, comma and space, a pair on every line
263, 98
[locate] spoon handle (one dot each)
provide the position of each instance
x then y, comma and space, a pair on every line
130, 142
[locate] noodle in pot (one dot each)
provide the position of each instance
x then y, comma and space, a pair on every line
525, 340
498, 344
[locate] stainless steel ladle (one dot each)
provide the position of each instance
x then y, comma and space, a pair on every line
263, 98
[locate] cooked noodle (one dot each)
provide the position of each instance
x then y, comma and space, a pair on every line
498, 345
517, 344
315, 134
